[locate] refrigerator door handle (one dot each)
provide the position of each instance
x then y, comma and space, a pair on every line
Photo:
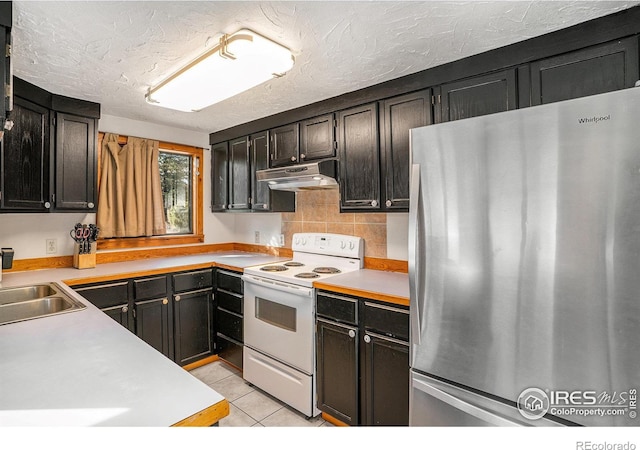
468, 408
414, 254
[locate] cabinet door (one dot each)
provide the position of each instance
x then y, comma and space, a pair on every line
76, 163
477, 96
153, 324
219, 177
239, 171
5, 65
398, 116
337, 370
193, 326
385, 385
259, 161
119, 313
590, 71
25, 159
285, 143
359, 158
317, 138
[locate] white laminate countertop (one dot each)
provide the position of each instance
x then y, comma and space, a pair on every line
82, 368
387, 286
238, 260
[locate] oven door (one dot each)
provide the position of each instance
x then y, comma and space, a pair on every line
279, 321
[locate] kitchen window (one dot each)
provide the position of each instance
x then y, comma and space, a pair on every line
181, 182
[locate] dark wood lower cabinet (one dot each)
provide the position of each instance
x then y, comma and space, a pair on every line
362, 360
119, 313
229, 315
174, 313
154, 324
193, 325
385, 398
337, 370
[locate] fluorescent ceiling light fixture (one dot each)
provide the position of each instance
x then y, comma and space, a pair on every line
239, 62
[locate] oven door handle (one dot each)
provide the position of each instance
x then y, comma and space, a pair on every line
270, 284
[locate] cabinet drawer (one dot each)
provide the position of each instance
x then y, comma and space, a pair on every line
230, 350
192, 280
148, 288
337, 307
230, 301
230, 325
106, 295
230, 281
387, 320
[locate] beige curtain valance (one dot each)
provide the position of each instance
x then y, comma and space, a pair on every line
130, 195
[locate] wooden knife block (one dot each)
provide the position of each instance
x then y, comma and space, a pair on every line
85, 260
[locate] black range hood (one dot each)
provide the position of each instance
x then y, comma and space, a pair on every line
301, 177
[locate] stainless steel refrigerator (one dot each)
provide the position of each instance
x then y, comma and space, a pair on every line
524, 266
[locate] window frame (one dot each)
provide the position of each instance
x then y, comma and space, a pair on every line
197, 237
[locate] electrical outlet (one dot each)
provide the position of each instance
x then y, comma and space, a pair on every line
256, 237
281, 240
52, 246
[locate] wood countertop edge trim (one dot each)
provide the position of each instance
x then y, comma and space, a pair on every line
141, 273
66, 261
332, 420
395, 299
207, 417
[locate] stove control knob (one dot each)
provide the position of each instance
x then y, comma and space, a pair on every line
297, 240
351, 245
304, 241
343, 245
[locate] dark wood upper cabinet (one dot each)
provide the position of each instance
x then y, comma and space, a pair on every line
317, 138
233, 177
239, 174
398, 115
593, 70
6, 99
76, 162
284, 145
25, 159
259, 161
477, 96
219, 177
49, 158
359, 158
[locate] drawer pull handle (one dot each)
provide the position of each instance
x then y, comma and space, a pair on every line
352, 334
367, 338
177, 298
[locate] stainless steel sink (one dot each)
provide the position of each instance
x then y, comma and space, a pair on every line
34, 301
24, 293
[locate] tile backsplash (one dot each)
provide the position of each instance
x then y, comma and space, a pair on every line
319, 211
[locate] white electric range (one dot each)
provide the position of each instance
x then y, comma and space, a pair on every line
279, 315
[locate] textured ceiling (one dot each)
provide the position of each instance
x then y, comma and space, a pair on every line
111, 52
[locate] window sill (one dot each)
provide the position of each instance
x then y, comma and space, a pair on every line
154, 241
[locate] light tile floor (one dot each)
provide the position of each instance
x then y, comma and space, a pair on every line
248, 405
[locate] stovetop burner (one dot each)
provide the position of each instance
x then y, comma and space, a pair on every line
326, 270
293, 264
306, 275
273, 268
